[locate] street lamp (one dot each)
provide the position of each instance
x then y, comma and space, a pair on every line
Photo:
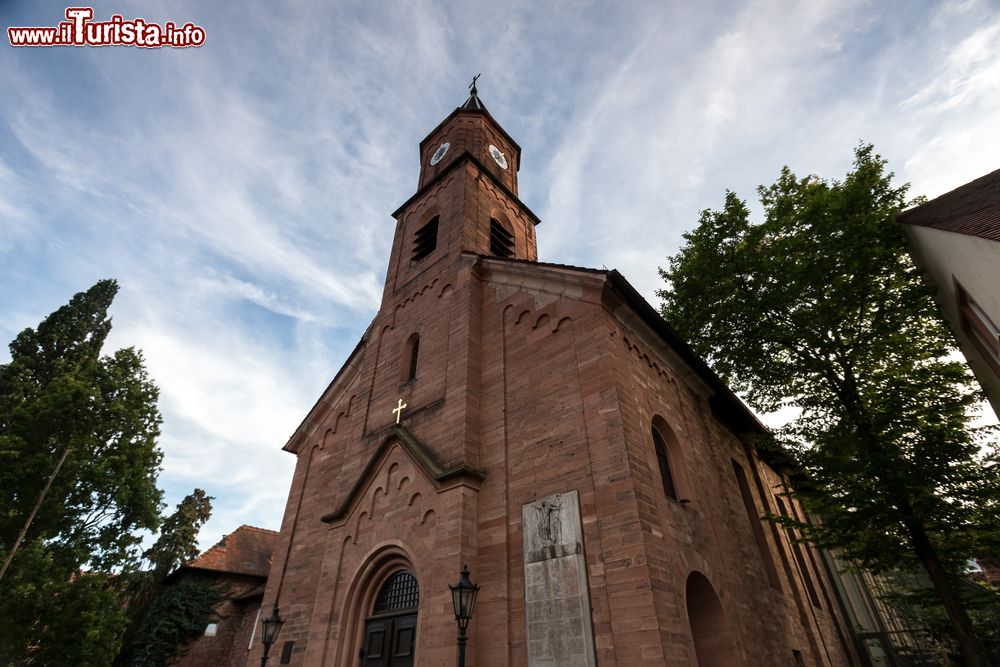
272, 626
463, 598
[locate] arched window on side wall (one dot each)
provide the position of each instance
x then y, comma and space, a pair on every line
411, 350
670, 461
663, 459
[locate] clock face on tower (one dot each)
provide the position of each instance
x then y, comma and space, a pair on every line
498, 156
440, 153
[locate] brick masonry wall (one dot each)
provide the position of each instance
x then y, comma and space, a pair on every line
539, 378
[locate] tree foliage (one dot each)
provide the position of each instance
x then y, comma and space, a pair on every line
59, 394
57, 619
178, 539
140, 590
818, 306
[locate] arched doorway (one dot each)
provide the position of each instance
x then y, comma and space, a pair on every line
390, 630
713, 643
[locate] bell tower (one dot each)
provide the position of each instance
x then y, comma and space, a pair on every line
466, 202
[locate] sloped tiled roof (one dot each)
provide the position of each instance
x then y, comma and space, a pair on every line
972, 209
246, 550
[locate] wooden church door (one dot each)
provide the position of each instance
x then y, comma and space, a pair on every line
390, 632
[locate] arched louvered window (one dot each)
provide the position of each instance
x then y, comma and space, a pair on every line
399, 593
501, 240
425, 240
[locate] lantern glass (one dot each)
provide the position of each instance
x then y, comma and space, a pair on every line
272, 626
463, 598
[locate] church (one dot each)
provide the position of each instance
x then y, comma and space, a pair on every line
543, 425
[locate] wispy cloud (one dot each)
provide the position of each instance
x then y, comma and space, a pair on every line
241, 192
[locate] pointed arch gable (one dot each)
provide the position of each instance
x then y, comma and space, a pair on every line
421, 457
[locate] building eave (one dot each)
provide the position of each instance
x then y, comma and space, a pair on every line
328, 399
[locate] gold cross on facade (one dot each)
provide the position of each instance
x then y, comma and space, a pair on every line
398, 411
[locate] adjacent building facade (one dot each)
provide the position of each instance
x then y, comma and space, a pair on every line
238, 564
542, 424
955, 239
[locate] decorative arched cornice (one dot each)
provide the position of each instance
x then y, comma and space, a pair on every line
425, 461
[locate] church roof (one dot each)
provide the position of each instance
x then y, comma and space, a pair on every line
972, 209
247, 550
726, 404
723, 402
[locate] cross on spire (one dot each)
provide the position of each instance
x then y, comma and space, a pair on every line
398, 410
474, 102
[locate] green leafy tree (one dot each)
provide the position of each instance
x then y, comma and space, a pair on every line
58, 620
78, 468
819, 307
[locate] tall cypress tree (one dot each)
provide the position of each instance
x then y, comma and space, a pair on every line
60, 399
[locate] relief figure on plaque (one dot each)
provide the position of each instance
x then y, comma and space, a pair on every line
549, 522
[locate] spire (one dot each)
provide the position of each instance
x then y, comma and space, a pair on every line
474, 103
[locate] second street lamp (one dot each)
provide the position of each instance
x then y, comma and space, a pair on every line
272, 626
463, 599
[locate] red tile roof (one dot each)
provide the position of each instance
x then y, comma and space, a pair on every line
246, 550
972, 209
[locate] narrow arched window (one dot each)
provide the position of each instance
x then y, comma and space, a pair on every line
662, 458
409, 361
501, 240
425, 240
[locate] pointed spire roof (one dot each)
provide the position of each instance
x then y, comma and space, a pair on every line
474, 103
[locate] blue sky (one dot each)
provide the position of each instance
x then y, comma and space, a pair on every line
241, 192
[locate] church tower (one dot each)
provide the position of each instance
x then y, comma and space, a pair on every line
543, 425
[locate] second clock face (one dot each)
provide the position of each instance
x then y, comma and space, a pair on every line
498, 156
440, 153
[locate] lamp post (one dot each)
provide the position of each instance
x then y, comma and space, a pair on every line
463, 598
272, 626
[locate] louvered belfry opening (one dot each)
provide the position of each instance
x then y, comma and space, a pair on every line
399, 593
425, 240
501, 241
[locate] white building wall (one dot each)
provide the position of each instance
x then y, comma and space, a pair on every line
975, 263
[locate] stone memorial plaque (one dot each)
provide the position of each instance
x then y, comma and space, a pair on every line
556, 599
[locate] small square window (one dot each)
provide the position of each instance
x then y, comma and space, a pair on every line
211, 629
